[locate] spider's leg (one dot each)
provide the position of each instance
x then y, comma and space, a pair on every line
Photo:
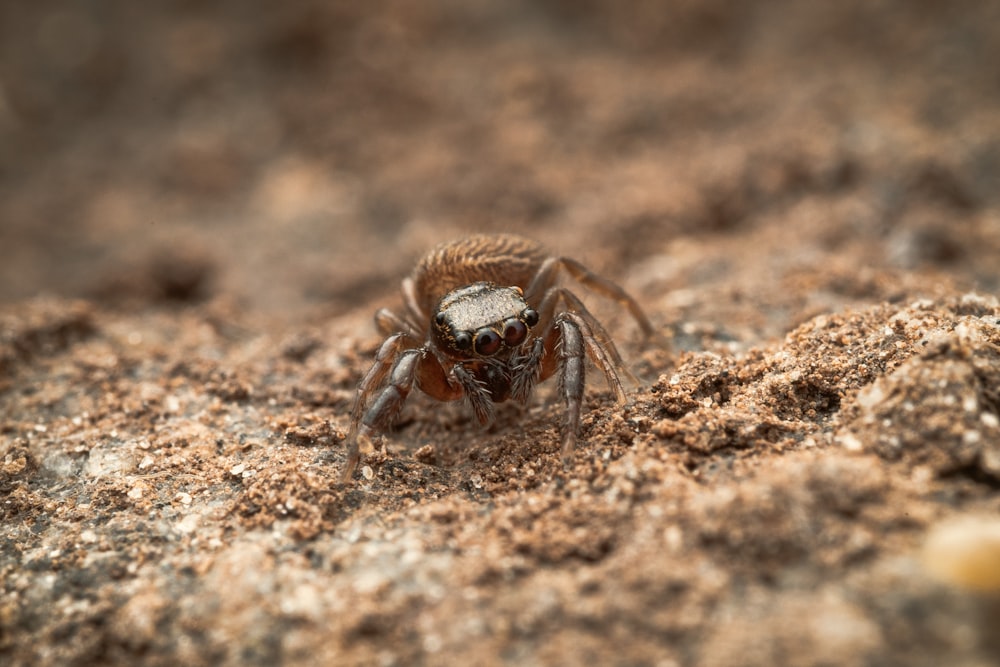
548, 273
412, 301
388, 323
545, 278
402, 369
600, 348
367, 420
597, 343
572, 379
603, 286
385, 358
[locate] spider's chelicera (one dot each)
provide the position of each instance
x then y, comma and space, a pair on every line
486, 320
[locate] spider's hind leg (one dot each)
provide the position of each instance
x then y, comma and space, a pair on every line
389, 323
547, 276
610, 289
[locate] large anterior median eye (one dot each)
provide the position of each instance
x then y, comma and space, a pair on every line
514, 331
487, 342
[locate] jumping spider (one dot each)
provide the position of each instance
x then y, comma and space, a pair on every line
486, 320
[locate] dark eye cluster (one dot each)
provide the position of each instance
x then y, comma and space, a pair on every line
487, 341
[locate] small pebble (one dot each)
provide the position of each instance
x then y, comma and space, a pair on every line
965, 552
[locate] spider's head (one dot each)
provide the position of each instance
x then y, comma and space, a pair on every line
481, 320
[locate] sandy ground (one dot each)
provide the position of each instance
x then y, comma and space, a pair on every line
201, 209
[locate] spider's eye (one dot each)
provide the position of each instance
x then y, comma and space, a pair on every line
530, 317
487, 342
440, 319
514, 331
463, 340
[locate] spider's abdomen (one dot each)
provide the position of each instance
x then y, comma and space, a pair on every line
503, 259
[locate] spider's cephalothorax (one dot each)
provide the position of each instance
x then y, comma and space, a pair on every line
482, 327
486, 320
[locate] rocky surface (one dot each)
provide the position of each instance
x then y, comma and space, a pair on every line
201, 209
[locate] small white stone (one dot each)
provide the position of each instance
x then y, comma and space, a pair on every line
850, 442
304, 600
432, 643
237, 469
146, 462
674, 538
869, 398
189, 523
135, 493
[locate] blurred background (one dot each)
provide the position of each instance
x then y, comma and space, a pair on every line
303, 154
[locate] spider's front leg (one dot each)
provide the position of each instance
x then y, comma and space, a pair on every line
402, 369
568, 344
570, 359
561, 349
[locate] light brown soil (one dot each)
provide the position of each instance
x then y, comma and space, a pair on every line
200, 209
